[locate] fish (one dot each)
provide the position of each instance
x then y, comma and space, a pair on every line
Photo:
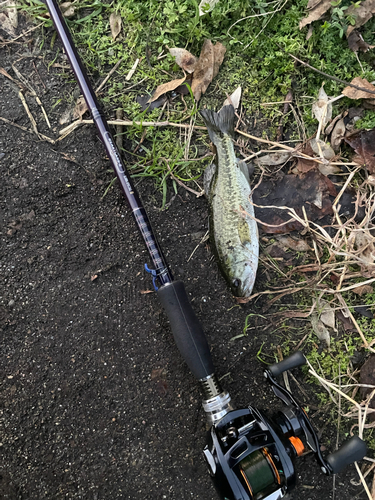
233, 229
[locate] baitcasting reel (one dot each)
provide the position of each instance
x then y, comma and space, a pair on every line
250, 455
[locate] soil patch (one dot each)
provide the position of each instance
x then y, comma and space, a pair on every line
95, 402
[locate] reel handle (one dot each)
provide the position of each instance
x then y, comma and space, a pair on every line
186, 328
351, 451
292, 361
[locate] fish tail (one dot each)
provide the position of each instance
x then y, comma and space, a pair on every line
219, 123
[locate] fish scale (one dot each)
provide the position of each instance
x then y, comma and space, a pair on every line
234, 235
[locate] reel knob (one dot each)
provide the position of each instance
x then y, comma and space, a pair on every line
352, 450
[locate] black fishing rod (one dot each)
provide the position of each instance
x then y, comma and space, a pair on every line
250, 455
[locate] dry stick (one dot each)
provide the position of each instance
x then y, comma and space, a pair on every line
32, 92
366, 344
127, 123
108, 76
182, 184
363, 481
293, 150
28, 112
23, 34
41, 136
201, 241
348, 84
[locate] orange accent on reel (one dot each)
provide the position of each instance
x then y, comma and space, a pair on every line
297, 445
272, 464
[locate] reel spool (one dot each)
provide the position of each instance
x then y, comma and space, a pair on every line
259, 471
251, 456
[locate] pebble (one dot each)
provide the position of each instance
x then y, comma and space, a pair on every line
11, 303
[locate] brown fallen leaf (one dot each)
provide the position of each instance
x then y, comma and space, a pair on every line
322, 109
166, 87
331, 126
346, 322
67, 9
320, 330
356, 42
273, 159
6, 24
361, 290
115, 23
303, 164
353, 93
327, 314
367, 377
294, 244
338, 135
362, 13
321, 148
363, 143
80, 108
207, 67
184, 59
317, 10
311, 190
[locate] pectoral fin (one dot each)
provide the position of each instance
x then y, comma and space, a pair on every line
246, 169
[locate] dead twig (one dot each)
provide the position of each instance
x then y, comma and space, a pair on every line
41, 136
348, 84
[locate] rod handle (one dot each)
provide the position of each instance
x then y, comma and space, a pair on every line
352, 450
186, 328
293, 361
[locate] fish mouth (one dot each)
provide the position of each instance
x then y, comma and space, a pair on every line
244, 286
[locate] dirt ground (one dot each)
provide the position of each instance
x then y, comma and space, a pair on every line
95, 402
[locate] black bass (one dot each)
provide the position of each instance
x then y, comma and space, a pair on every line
233, 229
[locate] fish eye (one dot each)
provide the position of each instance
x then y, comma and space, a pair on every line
236, 282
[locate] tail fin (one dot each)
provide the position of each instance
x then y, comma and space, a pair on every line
219, 123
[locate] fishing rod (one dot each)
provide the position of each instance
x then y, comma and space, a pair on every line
249, 454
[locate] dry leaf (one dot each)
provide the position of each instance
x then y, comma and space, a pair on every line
80, 108
303, 164
361, 290
115, 24
311, 190
364, 243
321, 109
6, 23
219, 53
361, 13
316, 12
346, 321
356, 42
327, 315
184, 59
321, 148
273, 159
166, 87
320, 330
353, 93
331, 126
10, 8
67, 9
363, 143
293, 244
207, 67
329, 169
338, 135
234, 99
